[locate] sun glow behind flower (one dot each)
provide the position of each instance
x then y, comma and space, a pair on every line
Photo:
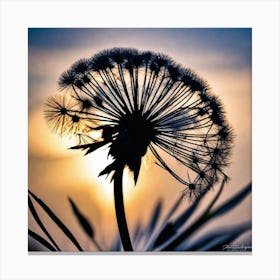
91, 168
85, 169
220, 62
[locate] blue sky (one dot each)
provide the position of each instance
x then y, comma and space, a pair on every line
229, 41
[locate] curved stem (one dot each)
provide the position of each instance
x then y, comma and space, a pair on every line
119, 206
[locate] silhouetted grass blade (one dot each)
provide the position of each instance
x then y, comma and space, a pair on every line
39, 222
181, 220
215, 241
117, 245
220, 246
167, 232
82, 219
155, 217
173, 208
137, 232
41, 240
163, 231
215, 199
170, 228
206, 216
231, 203
58, 222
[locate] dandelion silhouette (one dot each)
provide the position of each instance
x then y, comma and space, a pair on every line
139, 101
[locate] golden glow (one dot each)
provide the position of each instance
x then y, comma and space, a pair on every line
94, 163
85, 168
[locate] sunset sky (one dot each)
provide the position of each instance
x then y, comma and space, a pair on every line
221, 56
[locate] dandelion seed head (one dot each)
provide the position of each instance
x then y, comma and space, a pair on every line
66, 79
81, 66
145, 101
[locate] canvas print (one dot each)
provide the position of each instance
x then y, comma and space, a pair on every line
139, 140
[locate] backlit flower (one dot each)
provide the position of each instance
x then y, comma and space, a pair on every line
140, 101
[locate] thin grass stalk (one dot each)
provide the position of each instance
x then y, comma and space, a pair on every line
59, 223
40, 223
41, 240
203, 218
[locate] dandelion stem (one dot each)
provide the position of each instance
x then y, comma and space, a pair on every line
119, 206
